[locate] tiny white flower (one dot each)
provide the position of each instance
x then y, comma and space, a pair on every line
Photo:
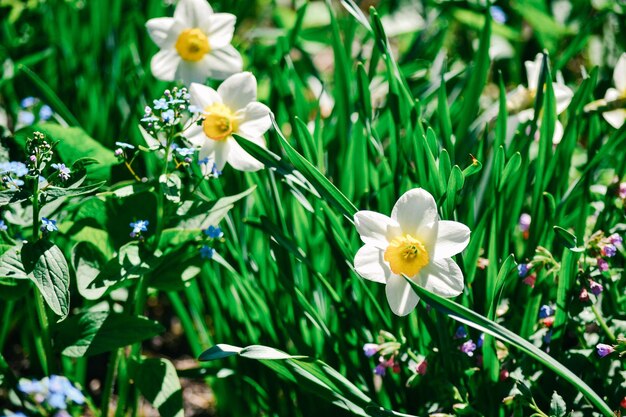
617, 117
413, 242
522, 99
195, 44
231, 109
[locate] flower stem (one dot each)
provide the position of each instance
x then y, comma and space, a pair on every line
603, 324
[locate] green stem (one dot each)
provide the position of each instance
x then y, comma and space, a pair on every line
42, 315
124, 385
6, 322
603, 324
109, 381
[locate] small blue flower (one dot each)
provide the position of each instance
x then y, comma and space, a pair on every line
160, 104
19, 169
168, 116
124, 145
481, 340
138, 227
522, 270
195, 109
186, 151
56, 400
28, 102
30, 386
460, 333
45, 112
64, 172
207, 252
547, 338
214, 232
25, 117
3, 226
604, 349
497, 14
545, 311
48, 225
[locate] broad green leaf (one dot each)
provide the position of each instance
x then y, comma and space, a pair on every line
96, 332
46, 266
157, 380
73, 144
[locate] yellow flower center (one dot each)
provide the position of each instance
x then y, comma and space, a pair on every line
192, 45
406, 255
219, 121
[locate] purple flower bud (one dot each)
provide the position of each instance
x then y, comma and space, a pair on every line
370, 349
33, 158
615, 239
119, 152
622, 190
595, 287
380, 369
604, 349
468, 348
584, 295
524, 222
603, 265
609, 250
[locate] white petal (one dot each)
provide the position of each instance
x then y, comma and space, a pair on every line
192, 72
241, 160
533, 70
255, 120
164, 31
563, 96
220, 28
558, 133
375, 229
612, 94
223, 62
615, 118
195, 135
369, 263
402, 299
526, 115
164, 64
222, 152
203, 96
443, 277
619, 74
416, 213
452, 238
238, 90
192, 12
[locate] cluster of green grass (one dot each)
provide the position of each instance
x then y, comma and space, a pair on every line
284, 277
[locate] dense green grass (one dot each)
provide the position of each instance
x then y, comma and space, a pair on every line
284, 277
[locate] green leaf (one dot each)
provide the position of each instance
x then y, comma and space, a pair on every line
481, 323
567, 239
95, 332
88, 261
157, 380
11, 264
12, 196
327, 190
47, 268
170, 187
219, 352
558, 408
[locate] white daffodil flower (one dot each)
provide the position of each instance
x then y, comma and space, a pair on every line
413, 242
522, 99
195, 44
231, 109
617, 117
